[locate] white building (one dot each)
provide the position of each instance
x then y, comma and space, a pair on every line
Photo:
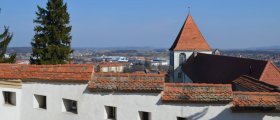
75, 92
113, 58
113, 67
159, 62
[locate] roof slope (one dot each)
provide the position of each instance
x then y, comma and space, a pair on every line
190, 92
190, 38
127, 82
207, 68
256, 101
253, 85
81, 72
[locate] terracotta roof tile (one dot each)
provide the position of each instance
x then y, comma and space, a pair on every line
256, 101
271, 74
110, 64
190, 38
251, 84
198, 93
46, 72
108, 82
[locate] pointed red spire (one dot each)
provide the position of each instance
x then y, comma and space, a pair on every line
190, 38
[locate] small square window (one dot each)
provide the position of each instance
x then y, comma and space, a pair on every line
40, 101
181, 118
111, 112
9, 98
145, 115
69, 106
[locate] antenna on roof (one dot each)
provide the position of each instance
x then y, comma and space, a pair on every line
189, 7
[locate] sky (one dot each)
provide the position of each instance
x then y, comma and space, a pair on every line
226, 24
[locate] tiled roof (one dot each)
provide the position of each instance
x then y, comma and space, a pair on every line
80, 72
208, 68
271, 74
109, 82
256, 101
190, 38
198, 93
110, 64
253, 85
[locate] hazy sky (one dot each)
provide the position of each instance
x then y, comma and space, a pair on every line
154, 23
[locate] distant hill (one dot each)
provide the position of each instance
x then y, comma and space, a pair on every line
268, 48
122, 48
19, 49
29, 49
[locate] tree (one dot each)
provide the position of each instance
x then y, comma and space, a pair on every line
52, 40
5, 39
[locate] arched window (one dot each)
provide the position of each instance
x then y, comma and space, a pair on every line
182, 58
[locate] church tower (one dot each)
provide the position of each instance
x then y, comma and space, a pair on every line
189, 41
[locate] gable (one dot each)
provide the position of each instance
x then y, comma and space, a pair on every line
271, 74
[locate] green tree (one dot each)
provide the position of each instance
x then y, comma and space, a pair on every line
52, 40
5, 39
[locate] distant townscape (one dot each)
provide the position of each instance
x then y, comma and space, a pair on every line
142, 55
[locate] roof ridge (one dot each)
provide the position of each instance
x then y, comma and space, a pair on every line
195, 84
274, 65
259, 81
255, 84
49, 72
256, 93
232, 57
129, 74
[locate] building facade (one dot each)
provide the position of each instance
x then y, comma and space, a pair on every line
76, 92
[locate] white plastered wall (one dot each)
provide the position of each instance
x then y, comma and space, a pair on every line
91, 105
54, 93
10, 112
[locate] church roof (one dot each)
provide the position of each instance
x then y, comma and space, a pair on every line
190, 38
206, 68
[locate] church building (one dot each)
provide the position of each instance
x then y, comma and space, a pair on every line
189, 41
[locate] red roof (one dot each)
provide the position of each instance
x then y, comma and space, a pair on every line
208, 68
190, 38
271, 74
191, 92
113, 64
247, 83
127, 82
47, 72
256, 101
